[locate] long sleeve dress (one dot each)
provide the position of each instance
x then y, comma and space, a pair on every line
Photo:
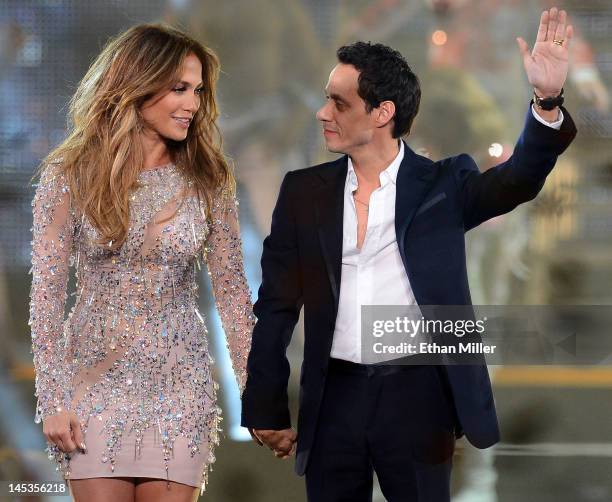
132, 358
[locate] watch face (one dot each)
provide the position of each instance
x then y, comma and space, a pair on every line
549, 103
552, 103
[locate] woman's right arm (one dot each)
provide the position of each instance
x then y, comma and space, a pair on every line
51, 248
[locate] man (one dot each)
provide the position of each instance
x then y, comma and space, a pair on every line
383, 225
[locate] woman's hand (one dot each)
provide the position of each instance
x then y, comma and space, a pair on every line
64, 430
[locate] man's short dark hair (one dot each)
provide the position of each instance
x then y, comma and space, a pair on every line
384, 75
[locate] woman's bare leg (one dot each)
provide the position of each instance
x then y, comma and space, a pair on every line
102, 489
157, 490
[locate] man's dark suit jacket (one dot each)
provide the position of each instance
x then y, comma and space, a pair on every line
436, 203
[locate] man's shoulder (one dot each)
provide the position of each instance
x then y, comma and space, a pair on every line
458, 168
320, 169
444, 166
314, 175
456, 163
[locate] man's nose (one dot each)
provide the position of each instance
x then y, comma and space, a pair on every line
323, 113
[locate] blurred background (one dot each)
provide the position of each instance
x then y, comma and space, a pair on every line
276, 56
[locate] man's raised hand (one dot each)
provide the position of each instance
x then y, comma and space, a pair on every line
548, 62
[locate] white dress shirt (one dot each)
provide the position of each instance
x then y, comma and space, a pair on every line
374, 275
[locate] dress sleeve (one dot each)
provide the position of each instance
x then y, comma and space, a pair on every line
223, 253
51, 249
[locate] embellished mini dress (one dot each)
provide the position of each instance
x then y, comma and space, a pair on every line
132, 358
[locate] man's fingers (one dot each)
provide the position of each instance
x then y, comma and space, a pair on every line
561, 27
285, 454
278, 441
285, 445
523, 47
287, 440
543, 28
283, 451
569, 33
552, 24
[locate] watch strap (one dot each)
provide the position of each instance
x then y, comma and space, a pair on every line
548, 103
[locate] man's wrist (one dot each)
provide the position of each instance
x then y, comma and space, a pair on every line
255, 436
548, 101
547, 94
547, 115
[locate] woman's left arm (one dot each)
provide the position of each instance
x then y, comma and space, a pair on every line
223, 251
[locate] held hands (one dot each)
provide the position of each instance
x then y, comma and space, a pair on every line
547, 65
64, 430
282, 442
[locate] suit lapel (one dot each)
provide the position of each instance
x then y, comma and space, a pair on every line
413, 182
329, 217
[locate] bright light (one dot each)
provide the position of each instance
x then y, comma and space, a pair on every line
439, 37
496, 150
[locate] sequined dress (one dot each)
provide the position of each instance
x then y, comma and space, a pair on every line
132, 358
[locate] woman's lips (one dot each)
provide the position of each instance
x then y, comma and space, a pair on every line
184, 123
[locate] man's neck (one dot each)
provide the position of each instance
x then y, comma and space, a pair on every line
372, 160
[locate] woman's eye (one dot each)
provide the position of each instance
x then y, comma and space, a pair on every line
182, 89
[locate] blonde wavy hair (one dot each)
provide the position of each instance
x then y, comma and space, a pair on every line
103, 154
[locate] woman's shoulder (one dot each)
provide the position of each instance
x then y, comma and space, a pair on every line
52, 186
52, 171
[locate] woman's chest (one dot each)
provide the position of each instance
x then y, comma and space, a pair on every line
167, 223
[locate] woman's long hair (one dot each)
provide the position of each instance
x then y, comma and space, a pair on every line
103, 154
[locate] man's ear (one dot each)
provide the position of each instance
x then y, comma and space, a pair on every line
385, 113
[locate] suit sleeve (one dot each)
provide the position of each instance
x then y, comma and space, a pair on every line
265, 400
519, 179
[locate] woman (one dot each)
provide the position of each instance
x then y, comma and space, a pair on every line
138, 190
